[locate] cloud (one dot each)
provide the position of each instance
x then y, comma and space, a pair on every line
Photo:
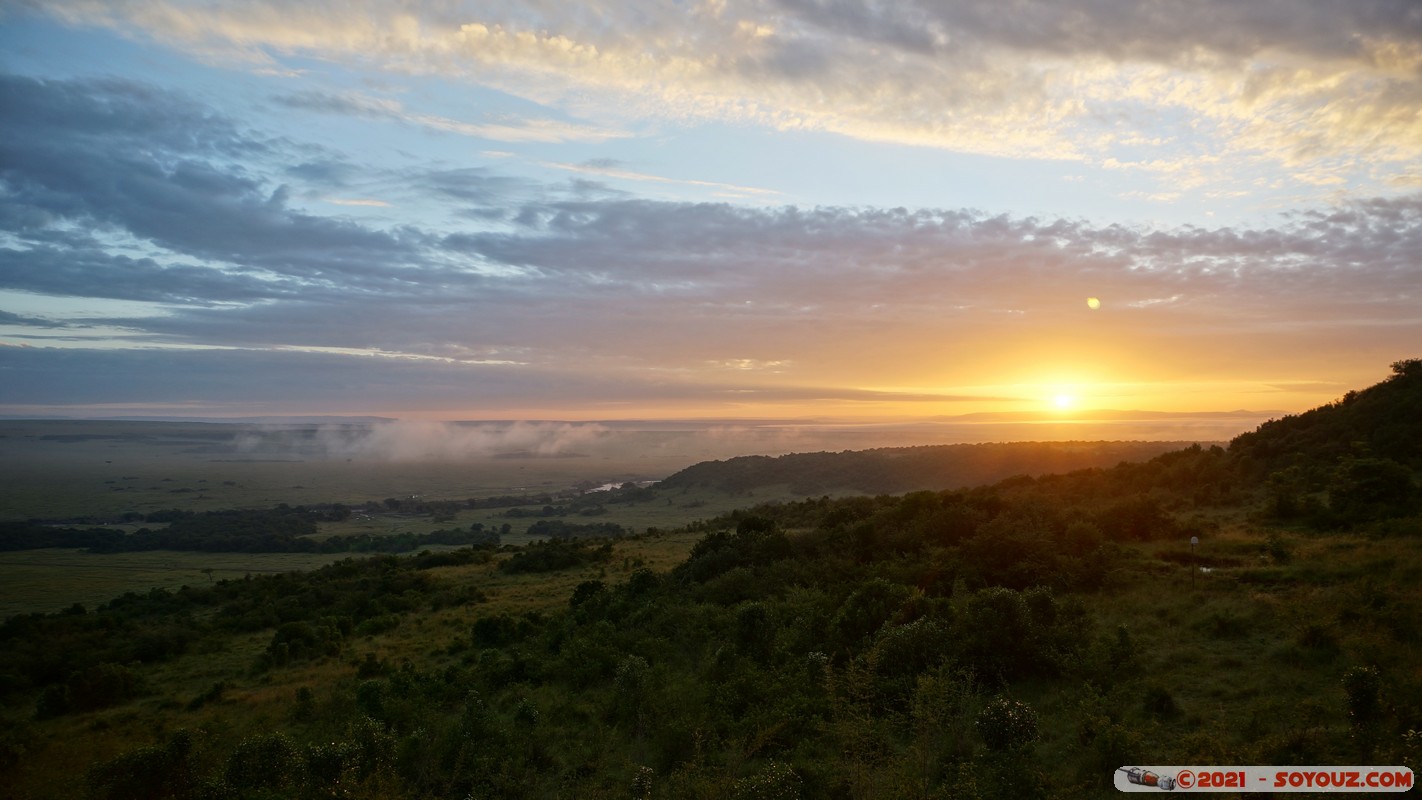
1319, 88
356, 201
1119, 29
239, 381
510, 129
329, 172
611, 169
95, 272
107, 155
9, 318
1309, 386
584, 295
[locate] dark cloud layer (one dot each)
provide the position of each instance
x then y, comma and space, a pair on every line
165, 170
116, 190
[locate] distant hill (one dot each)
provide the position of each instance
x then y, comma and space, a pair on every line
1107, 415
1381, 421
904, 469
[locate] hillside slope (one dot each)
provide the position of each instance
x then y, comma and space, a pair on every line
1383, 421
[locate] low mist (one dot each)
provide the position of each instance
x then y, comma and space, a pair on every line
410, 441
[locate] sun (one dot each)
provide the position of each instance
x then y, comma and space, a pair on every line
1062, 402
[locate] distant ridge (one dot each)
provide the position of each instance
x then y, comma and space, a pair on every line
1105, 415
892, 470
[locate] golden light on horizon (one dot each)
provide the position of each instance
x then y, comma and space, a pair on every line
1062, 402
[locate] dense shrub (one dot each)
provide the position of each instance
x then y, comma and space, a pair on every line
270, 762
96, 687
774, 781
1006, 725
154, 772
556, 554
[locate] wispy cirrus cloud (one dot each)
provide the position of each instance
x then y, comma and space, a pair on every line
503, 130
356, 201
613, 169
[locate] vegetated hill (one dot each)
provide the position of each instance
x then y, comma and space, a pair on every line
1349, 463
1382, 421
892, 470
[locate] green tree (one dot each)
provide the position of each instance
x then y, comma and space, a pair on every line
1366, 489
147, 773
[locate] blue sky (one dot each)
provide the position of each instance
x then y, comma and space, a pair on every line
722, 208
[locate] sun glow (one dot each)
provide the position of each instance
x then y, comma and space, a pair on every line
1062, 402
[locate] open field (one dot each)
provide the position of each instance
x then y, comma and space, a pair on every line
671, 509
50, 580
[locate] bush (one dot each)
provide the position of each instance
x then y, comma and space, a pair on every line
586, 592
755, 631
378, 625
1278, 549
1007, 725
329, 765
904, 651
874, 603
1159, 702
147, 773
1372, 488
554, 555
499, 630
999, 639
270, 761
776, 781
99, 686
632, 685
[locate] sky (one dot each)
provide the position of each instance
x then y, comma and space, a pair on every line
772, 209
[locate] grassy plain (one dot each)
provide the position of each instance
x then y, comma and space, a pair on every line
49, 580
45, 581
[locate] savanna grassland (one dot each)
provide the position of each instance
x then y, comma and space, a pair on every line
1023, 637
